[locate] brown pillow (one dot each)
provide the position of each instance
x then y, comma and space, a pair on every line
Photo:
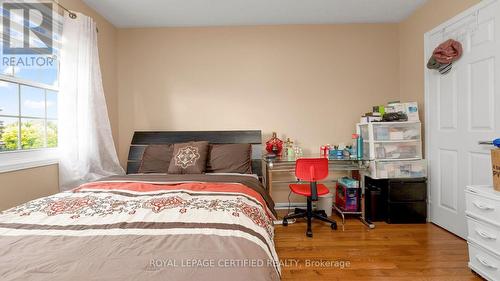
189, 158
230, 158
156, 158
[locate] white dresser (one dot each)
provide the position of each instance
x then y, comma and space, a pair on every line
483, 223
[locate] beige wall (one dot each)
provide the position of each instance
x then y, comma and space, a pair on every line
310, 83
411, 44
241, 77
24, 185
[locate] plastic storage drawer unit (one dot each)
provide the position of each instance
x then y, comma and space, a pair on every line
391, 140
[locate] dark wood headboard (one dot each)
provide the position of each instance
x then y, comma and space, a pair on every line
142, 139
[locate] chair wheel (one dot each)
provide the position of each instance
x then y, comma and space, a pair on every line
309, 234
285, 222
333, 226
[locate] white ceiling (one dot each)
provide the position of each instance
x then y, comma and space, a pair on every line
156, 13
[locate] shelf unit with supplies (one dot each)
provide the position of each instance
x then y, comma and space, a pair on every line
394, 149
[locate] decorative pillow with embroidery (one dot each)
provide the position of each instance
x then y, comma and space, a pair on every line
189, 158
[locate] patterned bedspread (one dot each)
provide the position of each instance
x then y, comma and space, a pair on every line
139, 229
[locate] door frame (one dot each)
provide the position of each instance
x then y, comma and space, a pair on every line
440, 28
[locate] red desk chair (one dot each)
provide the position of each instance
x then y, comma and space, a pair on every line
311, 170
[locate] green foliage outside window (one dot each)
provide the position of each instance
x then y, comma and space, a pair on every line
51, 134
32, 135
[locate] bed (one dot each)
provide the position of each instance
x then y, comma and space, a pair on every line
148, 226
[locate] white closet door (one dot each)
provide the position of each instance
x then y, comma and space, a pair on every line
462, 108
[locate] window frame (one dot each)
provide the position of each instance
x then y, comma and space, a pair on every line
20, 159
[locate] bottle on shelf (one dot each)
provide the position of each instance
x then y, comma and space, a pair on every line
289, 151
359, 146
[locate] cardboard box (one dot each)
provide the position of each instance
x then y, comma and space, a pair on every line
495, 161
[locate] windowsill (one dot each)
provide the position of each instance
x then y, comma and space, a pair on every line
11, 161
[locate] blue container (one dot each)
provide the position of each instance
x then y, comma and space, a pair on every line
340, 154
348, 182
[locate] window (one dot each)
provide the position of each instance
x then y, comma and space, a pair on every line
28, 109
29, 71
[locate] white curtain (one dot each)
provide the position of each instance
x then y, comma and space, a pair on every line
87, 150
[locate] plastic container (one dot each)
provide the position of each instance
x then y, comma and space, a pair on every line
398, 169
391, 140
396, 150
363, 131
390, 131
349, 182
325, 203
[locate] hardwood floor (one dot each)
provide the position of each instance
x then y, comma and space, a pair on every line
389, 252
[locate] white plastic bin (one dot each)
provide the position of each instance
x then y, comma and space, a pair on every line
325, 202
390, 131
398, 169
391, 140
397, 150
396, 131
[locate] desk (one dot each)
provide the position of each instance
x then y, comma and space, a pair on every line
285, 168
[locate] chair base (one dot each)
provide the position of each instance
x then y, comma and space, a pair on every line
310, 214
